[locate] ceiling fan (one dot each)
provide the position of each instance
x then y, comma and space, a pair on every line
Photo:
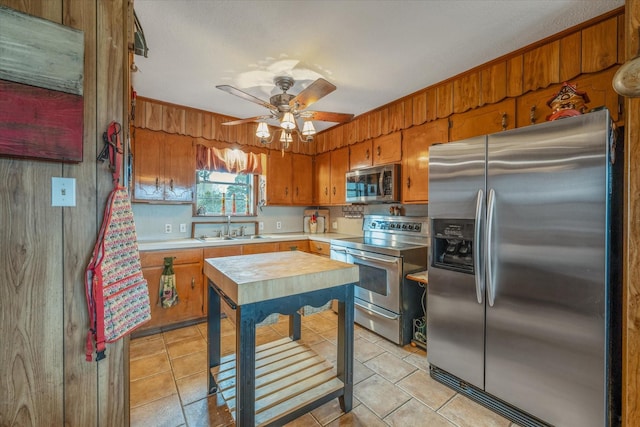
287, 109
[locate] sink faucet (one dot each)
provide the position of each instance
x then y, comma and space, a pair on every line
228, 232
242, 227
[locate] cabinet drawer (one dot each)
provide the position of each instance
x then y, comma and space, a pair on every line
260, 248
182, 256
320, 248
294, 245
222, 251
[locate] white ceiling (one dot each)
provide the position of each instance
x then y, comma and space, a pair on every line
374, 51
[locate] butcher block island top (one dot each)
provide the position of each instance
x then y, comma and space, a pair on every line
252, 278
279, 381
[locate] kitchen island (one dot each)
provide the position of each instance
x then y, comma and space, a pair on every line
279, 381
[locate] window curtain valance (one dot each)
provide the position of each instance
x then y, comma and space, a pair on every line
227, 160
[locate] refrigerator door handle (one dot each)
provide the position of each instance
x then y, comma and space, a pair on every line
491, 290
477, 247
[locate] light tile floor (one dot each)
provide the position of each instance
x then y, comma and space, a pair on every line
392, 386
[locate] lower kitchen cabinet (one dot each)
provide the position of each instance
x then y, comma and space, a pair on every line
260, 248
294, 245
319, 248
187, 266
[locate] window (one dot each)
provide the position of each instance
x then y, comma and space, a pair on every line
223, 193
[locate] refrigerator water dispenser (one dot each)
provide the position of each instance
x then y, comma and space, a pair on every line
452, 244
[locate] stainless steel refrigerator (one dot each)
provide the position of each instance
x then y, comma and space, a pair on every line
523, 311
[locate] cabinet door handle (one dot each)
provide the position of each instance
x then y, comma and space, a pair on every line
326, 191
193, 283
367, 154
504, 121
297, 192
532, 115
157, 183
379, 150
408, 182
286, 191
334, 191
171, 184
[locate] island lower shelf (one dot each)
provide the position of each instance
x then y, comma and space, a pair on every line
288, 376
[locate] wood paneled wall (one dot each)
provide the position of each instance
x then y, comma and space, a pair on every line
588, 48
44, 378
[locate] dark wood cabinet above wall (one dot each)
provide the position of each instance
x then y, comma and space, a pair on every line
164, 167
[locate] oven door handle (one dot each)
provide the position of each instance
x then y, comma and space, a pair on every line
374, 312
344, 251
371, 258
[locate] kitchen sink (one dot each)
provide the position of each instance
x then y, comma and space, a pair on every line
214, 239
220, 239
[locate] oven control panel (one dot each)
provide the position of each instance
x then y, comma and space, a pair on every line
392, 224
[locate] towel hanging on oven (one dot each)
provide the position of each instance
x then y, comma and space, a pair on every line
116, 291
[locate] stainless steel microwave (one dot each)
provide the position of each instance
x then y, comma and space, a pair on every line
379, 184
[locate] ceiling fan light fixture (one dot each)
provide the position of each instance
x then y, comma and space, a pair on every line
308, 129
263, 131
286, 137
288, 122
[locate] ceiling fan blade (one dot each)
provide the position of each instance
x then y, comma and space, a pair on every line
249, 120
311, 94
326, 116
237, 92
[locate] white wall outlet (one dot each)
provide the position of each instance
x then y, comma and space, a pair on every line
260, 225
167, 228
278, 225
183, 228
334, 225
63, 191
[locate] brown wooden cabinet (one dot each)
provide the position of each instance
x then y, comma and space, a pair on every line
339, 167
279, 178
415, 164
360, 155
260, 248
187, 266
302, 179
491, 118
294, 245
319, 248
532, 107
164, 167
387, 149
322, 193
330, 171
289, 179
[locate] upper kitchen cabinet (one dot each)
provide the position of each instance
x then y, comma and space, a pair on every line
323, 179
302, 179
484, 120
415, 164
330, 171
532, 107
360, 155
279, 178
289, 179
387, 149
164, 167
339, 168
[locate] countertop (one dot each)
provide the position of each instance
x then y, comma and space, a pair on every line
154, 245
421, 277
254, 278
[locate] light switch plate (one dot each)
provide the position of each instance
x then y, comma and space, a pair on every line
63, 191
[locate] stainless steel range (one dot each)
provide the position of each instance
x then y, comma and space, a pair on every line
390, 248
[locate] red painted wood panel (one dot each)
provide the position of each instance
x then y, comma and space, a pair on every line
40, 123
